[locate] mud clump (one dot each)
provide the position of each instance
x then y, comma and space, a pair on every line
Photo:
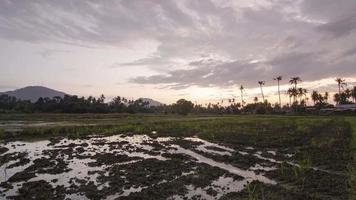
3, 150
6, 185
215, 148
41, 166
46, 166
212, 192
39, 190
162, 191
110, 159
21, 162
13, 157
22, 176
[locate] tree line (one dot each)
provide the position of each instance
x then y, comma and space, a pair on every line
298, 98
75, 104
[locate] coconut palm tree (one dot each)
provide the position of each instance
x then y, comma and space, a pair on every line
348, 93
294, 81
341, 83
278, 78
261, 83
292, 92
326, 97
242, 95
302, 93
315, 96
353, 94
255, 99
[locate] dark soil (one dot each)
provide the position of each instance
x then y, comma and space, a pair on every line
39, 190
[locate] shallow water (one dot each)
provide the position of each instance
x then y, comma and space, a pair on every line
80, 157
250, 175
17, 125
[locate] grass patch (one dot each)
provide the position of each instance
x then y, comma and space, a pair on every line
328, 143
351, 169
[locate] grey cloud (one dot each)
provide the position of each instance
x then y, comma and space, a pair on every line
287, 37
328, 10
226, 74
341, 27
306, 65
50, 52
106, 22
350, 52
155, 63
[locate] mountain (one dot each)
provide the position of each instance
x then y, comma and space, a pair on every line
152, 102
33, 93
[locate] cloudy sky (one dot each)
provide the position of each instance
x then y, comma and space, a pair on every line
169, 49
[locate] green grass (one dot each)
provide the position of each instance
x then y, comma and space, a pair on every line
352, 165
205, 125
325, 141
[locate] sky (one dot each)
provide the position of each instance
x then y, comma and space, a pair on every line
168, 49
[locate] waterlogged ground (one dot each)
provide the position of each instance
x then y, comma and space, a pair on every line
19, 125
128, 166
249, 161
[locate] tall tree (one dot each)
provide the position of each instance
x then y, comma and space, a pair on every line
353, 94
341, 84
261, 83
278, 79
293, 92
302, 93
315, 96
294, 81
242, 94
255, 99
319, 100
183, 106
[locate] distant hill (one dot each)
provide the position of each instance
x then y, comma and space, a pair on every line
152, 102
33, 93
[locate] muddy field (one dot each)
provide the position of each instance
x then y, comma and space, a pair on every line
311, 163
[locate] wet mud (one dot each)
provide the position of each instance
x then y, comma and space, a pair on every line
130, 166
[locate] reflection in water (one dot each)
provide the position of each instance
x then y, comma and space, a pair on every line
139, 147
234, 170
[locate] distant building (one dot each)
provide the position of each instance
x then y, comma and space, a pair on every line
345, 107
310, 109
340, 108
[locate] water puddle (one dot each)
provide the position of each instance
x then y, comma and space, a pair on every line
234, 170
17, 125
82, 166
209, 147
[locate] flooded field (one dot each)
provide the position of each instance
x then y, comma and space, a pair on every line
17, 125
117, 166
163, 166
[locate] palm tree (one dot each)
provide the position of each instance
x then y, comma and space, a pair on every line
278, 78
292, 92
326, 97
341, 83
315, 97
295, 80
242, 95
348, 93
353, 94
255, 99
262, 83
301, 93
